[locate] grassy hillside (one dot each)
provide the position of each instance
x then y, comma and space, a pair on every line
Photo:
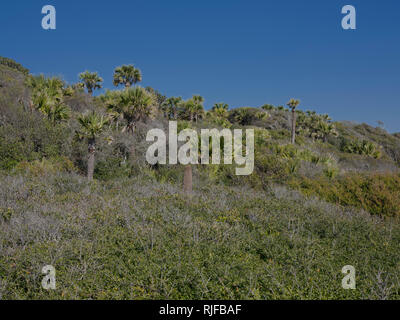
137, 238
285, 232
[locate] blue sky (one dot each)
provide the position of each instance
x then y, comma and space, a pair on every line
242, 52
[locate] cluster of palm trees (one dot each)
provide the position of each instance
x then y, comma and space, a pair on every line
126, 75
127, 106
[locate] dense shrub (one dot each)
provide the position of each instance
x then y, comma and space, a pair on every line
378, 194
13, 65
362, 147
32, 138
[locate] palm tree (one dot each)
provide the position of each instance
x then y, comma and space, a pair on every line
111, 100
47, 96
198, 107
293, 104
190, 108
91, 127
55, 111
127, 75
134, 104
220, 109
325, 129
171, 107
91, 80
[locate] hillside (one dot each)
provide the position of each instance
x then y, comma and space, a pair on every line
285, 232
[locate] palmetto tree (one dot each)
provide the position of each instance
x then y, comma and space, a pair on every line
190, 108
47, 96
127, 75
220, 109
111, 101
55, 111
293, 104
194, 108
198, 107
92, 125
133, 104
325, 129
172, 106
91, 80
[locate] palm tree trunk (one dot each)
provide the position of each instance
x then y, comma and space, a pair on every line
293, 127
91, 152
131, 130
188, 179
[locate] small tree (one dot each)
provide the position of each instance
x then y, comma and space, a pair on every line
127, 75
91, 81
91, 127
293, 104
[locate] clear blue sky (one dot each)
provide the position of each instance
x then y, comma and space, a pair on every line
242, 52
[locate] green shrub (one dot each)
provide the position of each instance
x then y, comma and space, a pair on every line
376, 193
362, 147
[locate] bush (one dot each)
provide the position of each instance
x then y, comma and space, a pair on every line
45, 166
361, 147
13, 65
376, 193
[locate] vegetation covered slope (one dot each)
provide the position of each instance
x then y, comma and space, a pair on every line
137, 238
132, 233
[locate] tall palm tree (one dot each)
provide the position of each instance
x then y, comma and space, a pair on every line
91, 80
91, 127
293, 104
127, 75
